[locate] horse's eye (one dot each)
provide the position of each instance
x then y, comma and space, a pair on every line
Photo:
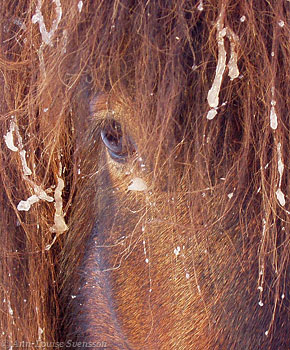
119, 146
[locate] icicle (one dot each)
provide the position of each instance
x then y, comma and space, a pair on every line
280, 163
213, 94
59, 222
273, 117
211, 114
233, 62
273, 114
8, 138
280, 196
279, 193
64, 42
38, 18
26, 169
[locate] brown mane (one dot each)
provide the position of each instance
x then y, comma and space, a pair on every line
217, 186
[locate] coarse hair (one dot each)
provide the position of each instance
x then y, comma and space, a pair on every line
206, 85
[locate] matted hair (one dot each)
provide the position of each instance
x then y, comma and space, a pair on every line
206, 85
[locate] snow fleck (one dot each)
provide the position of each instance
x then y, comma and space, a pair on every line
260, 288
230, 195
73, 296
147, 260
20, 23
272, 53
187, 275
243, 18
40, 332
261, 303
45, 110
283, 296
10, 310
177, 38
281, 23
266, 333
137, 184
80, 6
177, 251
200, 6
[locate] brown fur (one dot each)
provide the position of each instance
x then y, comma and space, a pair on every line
149, 65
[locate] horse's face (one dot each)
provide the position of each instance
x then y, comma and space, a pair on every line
144, 193
158, 272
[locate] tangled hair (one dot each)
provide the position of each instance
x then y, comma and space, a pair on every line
202, 87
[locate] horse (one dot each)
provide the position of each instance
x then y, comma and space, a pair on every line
144, 178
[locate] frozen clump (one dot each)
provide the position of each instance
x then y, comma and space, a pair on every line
137, 184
